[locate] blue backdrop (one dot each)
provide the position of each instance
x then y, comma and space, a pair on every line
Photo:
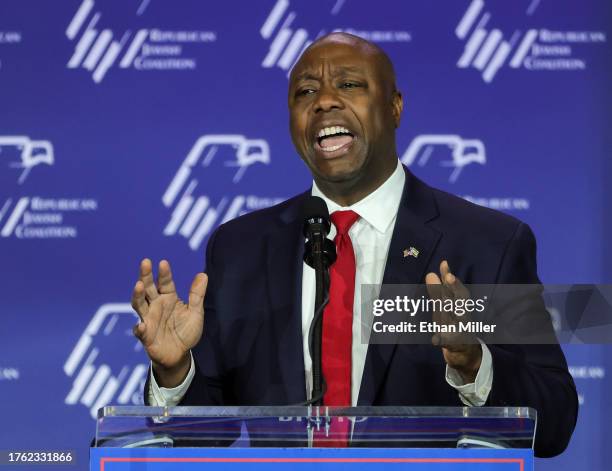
132, 128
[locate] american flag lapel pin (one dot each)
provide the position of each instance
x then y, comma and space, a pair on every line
411, 252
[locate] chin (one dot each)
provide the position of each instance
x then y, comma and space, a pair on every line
337, 170
338, 173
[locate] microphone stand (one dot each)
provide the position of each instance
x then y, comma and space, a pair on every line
320, 253
321, 297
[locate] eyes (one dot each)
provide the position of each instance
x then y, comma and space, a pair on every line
343, 85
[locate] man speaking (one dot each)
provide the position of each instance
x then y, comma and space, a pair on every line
242, 338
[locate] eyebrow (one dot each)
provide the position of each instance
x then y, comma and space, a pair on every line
339, 70
306, 76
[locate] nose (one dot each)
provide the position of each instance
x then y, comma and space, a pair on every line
327, 99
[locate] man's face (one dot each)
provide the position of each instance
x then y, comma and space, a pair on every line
343, 113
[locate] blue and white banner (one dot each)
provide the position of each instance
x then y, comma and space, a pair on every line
133, 128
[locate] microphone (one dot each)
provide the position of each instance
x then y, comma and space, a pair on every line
319, 253
316, 228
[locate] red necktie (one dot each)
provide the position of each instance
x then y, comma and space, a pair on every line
338, 328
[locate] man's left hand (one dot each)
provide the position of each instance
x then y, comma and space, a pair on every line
465, 357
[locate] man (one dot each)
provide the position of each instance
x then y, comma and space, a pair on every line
258, 295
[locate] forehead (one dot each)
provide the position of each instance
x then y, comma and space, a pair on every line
335, 57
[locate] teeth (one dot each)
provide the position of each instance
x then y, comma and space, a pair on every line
330, 149
331, 130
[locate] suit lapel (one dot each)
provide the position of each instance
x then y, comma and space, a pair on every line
285, 246
417, 208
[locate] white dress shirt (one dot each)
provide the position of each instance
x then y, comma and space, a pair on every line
371, 238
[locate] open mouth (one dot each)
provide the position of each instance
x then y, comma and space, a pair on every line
333, 138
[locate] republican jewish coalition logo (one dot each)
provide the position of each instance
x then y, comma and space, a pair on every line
107, 365
214, 158
488, 50
147, 49
453, 153
22, 215
463, 152
288, 42
30, 154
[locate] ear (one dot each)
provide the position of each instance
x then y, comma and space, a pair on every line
397, 104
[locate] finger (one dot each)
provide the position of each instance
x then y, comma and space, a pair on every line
447, 278
434, 286
444, 272
434, 290
433, 283
437, 289
165, 283
139, 331
456, 287
450, 281
432, 279
444, 269
197, 292
139, 303
146, 276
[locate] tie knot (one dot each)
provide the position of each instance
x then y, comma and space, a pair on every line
343, 220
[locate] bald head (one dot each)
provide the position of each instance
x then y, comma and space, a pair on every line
362, 47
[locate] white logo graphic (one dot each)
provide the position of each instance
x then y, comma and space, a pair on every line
463, 151
42, 218
288, 43
107, 365
195, 217
9, 38
32, 154
587, 373
9, 374
147, 49
35, 217
536, 49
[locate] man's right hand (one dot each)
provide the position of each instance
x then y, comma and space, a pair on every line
168, 327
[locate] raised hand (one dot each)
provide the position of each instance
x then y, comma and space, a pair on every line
168, 327
464, 356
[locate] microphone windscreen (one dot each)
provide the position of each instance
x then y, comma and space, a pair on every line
315, 207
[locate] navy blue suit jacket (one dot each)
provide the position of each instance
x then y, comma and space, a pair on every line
251, 351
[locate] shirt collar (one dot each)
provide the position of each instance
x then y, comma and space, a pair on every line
379, 208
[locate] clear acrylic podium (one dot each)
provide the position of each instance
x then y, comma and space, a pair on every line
211, 438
